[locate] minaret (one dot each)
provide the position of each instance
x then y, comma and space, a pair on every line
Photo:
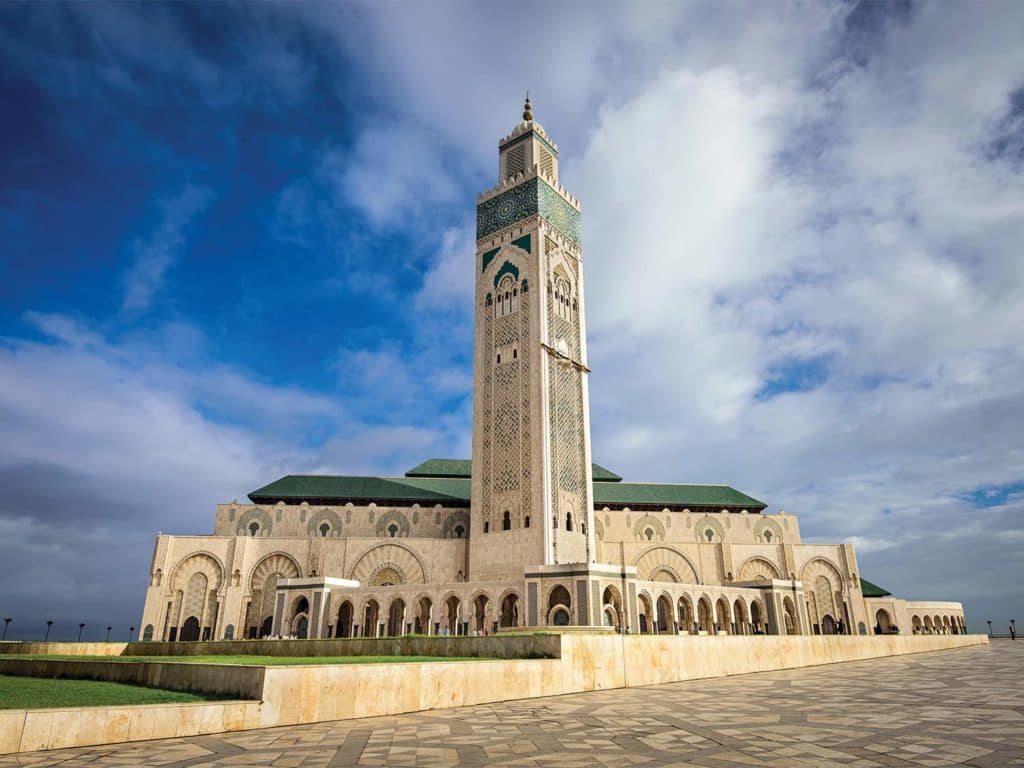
532, 499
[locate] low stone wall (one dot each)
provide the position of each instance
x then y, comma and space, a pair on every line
309, 694
294, 695
518, 646
63, 649
243, 682
31, 730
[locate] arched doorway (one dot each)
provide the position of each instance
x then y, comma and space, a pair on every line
705, 623
828, 624
189, 630
480, 603
757, 617
267, 626
722, 615
559, 607
685, 611
646, 615
665, 612
883, 622
510, 610
343, 628
739, 617
789, 614
396, 618
424, 616
612, 613
300, 628
451, 618
371, 616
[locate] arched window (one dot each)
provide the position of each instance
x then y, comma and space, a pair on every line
324, 529
487, 527
526, 522
515, 354
709, 534
489, 300
768, 537
526, 286
583, 528
568, 521
506, 521
649, 533
499, 358
254, 528
459, 531
393, 530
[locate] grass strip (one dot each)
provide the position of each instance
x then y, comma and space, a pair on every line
45, 693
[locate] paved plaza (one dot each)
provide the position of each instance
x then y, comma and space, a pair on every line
962, 707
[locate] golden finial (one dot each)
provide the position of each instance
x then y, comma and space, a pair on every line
527, 109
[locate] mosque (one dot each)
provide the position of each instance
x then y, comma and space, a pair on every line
529, 532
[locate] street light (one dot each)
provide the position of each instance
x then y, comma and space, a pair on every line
108, 633
80, 628
49, 624
130, 631
6, 622
989, 622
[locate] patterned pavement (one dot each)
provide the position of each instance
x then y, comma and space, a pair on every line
962, 707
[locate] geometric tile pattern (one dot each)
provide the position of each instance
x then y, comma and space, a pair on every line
962, 707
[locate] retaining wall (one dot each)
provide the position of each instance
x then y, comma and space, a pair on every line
308, 694
63, 649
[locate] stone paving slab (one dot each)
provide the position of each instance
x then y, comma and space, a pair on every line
962, 707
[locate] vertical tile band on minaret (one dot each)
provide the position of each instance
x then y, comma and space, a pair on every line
531, 476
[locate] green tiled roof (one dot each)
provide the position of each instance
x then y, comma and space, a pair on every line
442, 468
602, 475
323, 488
667, 495
463, 468
455, 491
872, 590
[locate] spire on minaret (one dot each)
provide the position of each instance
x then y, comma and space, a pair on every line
527, 109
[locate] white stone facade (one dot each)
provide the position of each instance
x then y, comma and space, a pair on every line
524, 539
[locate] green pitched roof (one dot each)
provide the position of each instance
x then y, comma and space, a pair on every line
455, 491
666, 494
602, 475
442, 468
324, 488
872, 590
463, 468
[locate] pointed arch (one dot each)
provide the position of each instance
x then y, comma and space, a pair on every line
397, 557
758, 568
666, 560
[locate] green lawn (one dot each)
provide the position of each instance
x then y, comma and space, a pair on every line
261, 661
39, 693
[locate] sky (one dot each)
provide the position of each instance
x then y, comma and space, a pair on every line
236, 242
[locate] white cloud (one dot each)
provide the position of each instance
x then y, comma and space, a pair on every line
155, 254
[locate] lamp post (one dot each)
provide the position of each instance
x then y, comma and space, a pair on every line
49, 623
108, 633
130, 631
989, 622
6, 622
80, 628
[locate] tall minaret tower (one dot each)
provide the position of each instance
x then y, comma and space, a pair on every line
532, 499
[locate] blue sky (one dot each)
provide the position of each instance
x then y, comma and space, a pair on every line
237, 242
